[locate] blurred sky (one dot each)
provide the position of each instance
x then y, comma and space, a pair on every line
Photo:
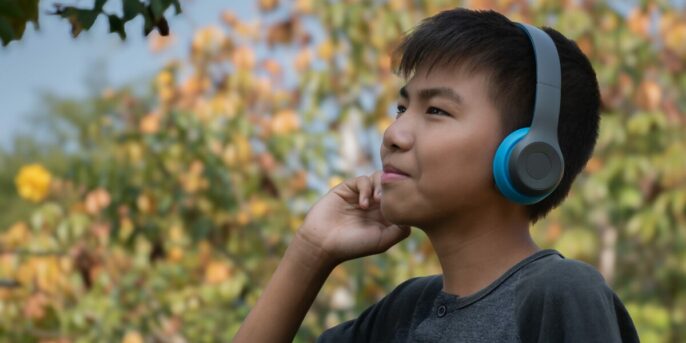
49, 59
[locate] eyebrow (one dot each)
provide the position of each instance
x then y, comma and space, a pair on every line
428, 93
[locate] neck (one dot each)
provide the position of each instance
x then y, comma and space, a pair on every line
479, 246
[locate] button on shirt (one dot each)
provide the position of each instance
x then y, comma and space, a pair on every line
441, 311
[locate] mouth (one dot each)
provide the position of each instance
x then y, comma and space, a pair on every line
392, 177
391, 169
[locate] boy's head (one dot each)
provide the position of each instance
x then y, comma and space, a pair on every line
486, 46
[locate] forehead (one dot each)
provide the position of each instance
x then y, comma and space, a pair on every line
471, 85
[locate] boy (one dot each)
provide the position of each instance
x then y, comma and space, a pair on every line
473, 76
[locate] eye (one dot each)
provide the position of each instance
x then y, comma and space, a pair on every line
438, 110
401, 109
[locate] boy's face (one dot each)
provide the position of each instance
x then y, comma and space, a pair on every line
448, 156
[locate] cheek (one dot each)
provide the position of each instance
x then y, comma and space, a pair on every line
450, 175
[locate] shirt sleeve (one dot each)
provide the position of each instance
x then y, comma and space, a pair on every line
381, 320
570, 302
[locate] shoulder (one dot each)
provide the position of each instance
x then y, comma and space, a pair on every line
558, 287
560, 299
555, 272
555, 276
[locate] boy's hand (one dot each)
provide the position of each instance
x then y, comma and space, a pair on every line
343, 227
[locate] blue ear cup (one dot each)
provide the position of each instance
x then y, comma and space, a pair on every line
528, 164
501, 170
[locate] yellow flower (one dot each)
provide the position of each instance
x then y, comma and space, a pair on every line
33, 182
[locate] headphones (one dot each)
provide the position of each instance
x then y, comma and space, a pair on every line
528, 164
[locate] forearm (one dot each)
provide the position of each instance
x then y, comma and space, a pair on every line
288, 296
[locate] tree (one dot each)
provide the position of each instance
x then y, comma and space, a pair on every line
14, 15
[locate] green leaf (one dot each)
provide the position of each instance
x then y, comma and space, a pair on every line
131, 9
149, 24
10, 9
98, 5
87, 18
79, 18
630, 198
162, 27
177, 6
117, 25
157, 8
6, 33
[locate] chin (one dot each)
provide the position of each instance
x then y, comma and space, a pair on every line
394, 214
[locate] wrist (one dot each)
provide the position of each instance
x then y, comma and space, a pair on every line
309, 254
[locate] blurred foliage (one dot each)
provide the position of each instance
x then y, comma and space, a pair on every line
169, 209
15, 14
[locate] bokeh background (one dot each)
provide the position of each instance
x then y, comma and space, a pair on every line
149, 187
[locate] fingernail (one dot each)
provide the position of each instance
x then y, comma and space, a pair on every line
364, 201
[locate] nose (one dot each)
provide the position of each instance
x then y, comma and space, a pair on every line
398, 135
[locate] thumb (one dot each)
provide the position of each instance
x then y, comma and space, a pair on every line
393, 234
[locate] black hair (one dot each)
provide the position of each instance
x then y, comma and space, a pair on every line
487, 42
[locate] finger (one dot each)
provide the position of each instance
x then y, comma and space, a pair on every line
376, 177
349, 190
364, 185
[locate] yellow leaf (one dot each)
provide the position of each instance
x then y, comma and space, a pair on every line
258, 207
175, 254
133, 337
639, 22
164, 79
209, 39
217, 272
150, 123
326, 50
675, 38
268, 5
17, 235
302, 60
244, 58
303, 6
125, 228
158, 43
145, 203
229, 18
284, 122
243, 218
244, 149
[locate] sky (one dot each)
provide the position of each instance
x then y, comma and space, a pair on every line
50, 60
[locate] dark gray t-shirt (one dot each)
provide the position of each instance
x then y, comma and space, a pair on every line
543, 298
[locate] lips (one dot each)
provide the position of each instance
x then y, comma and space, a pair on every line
389, 168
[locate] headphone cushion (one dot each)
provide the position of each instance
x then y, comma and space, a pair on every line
501, 170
